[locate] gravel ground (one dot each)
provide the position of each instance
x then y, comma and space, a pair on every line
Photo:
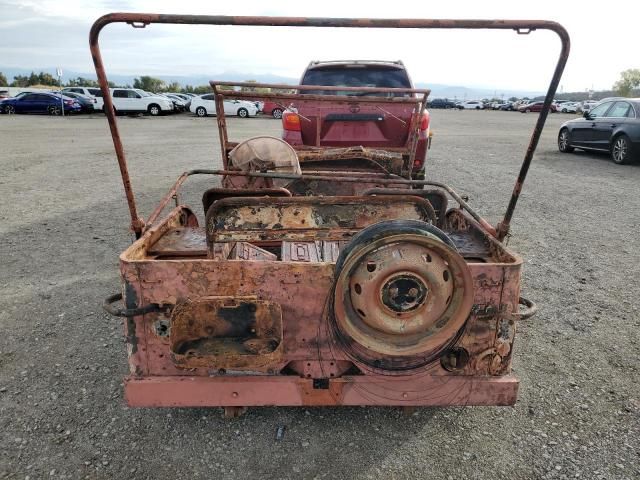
62, 360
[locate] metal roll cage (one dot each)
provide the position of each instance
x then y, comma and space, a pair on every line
141, 20
410, 96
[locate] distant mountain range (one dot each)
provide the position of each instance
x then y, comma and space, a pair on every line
437, 90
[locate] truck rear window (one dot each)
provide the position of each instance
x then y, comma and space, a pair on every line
356, 76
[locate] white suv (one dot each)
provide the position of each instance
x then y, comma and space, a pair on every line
136, 100
88, 91
93, 92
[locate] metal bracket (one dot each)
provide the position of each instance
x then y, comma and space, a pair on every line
488, 311
110, 308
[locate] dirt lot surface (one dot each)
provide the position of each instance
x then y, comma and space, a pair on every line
62, 360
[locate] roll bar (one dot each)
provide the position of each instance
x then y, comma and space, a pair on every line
333, 94
141, 20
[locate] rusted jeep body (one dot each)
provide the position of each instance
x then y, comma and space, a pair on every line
343, 282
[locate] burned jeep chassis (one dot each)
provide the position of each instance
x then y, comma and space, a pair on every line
377, 294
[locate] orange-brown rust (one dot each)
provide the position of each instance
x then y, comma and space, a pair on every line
223, 333
291, 391
296, 287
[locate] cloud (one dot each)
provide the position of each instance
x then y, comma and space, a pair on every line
34, 34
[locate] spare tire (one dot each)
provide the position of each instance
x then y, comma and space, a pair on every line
401, 297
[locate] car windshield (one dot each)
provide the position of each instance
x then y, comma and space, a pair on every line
356, 76
142, 93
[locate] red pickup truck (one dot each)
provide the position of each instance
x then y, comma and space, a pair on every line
352, 125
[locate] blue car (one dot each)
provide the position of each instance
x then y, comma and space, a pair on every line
31, 102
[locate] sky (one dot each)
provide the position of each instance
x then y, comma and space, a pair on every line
38, 34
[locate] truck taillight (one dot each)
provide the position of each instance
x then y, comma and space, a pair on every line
291, 122
424, 123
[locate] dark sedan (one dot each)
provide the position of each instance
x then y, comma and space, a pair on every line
441, 103
50, 103
87, 104
611, 126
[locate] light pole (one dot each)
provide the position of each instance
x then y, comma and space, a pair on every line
59, 73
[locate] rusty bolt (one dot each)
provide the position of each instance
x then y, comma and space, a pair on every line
234, 394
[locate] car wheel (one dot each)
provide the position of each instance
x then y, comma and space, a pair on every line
621, 150
564, 110
477, 108
243, 112
201, 112
277, 113
564, 141
154, 110
527, 110
9, 110
54, 110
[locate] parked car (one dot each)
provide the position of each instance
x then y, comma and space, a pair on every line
346, 125
535, 107
41, 102
508, 106
4, 94
273, 109
611, 126
569, 107
205, 105
470, 105
588, 105
442, 103
88, 91
93, 92
134, 100
178, 103
183, 96
87, 103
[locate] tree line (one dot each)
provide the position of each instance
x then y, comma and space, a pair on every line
625, 86
144, 82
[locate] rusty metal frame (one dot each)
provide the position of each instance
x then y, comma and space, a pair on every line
354, 177
411, 145
141, 20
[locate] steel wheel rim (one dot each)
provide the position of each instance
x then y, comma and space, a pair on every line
620, 150
154, 110
242, 113
10, 110
433, 318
